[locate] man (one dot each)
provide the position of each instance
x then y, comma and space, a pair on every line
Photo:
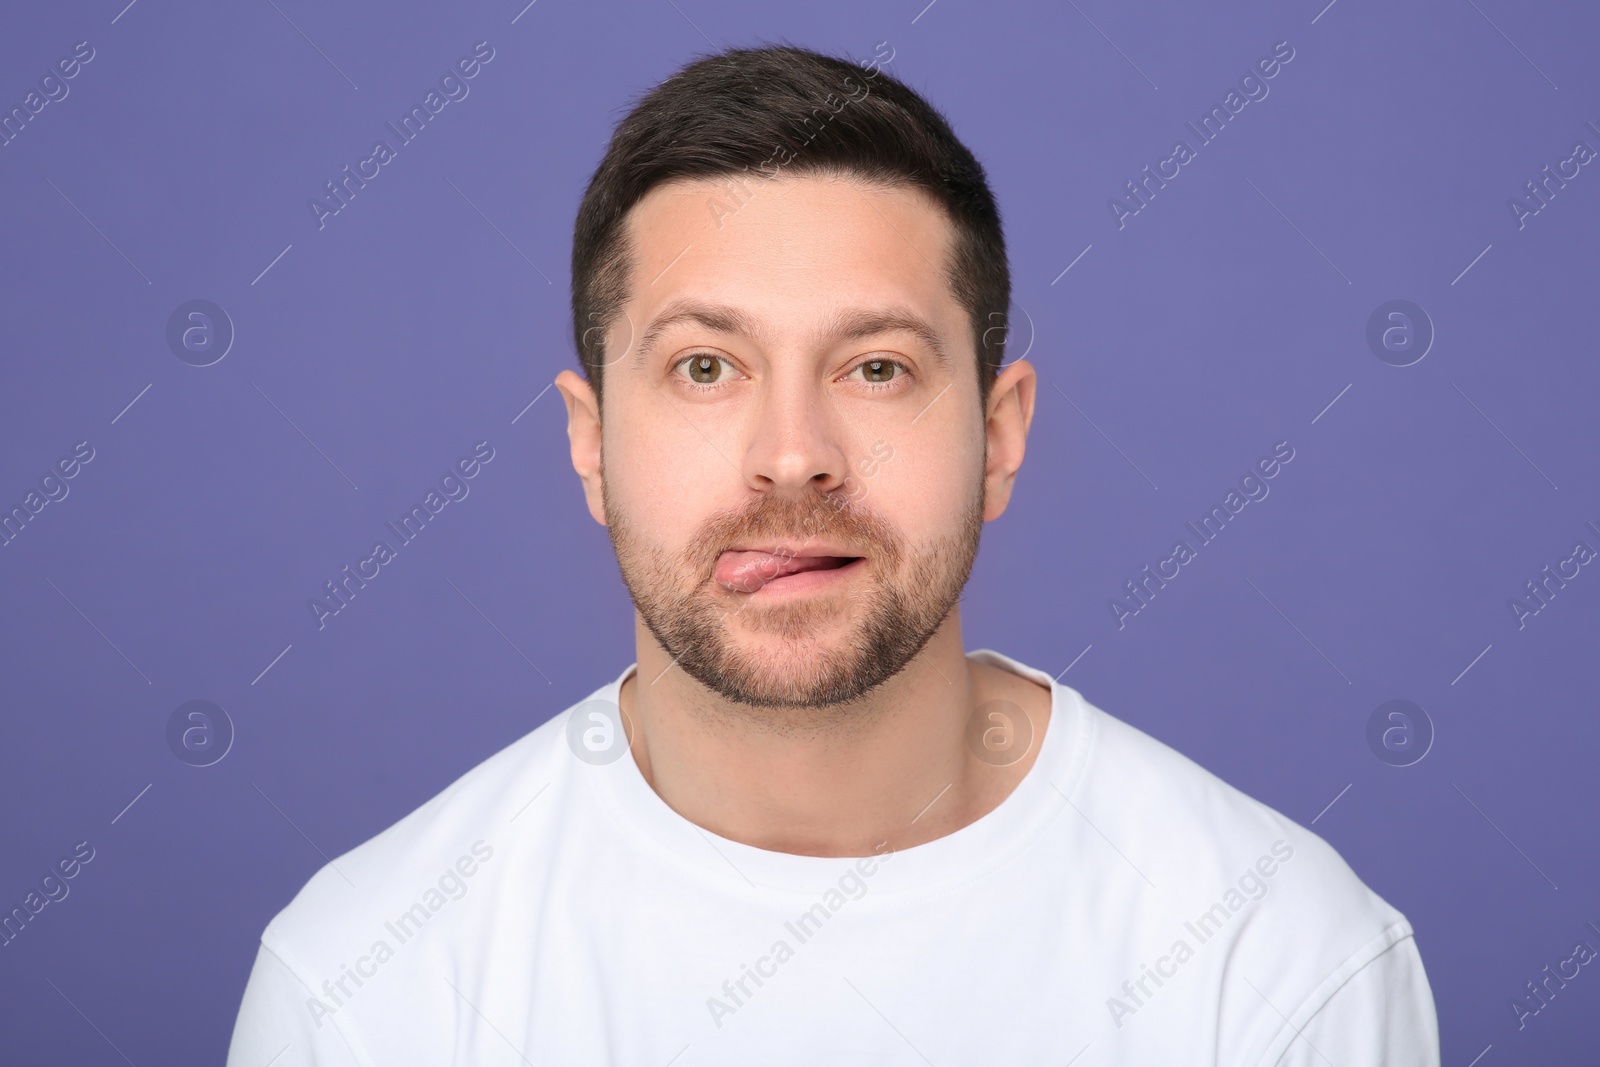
806, 826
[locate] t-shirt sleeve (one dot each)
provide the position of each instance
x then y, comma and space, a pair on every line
277, 1023
1384, 1015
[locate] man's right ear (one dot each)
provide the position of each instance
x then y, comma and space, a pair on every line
583, 432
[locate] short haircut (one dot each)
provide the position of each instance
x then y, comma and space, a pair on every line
751, 113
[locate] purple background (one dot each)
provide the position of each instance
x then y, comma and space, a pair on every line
431, 311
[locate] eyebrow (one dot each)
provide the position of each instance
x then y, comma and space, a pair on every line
849, 324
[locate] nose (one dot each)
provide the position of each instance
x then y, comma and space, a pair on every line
795, 441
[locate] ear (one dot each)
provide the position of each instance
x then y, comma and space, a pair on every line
583, 432
1010, 413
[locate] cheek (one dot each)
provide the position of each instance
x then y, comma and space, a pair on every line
664, 476
922, 491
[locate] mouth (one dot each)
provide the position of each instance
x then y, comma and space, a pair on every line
773, 570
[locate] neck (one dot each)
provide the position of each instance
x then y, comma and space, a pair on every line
890, 771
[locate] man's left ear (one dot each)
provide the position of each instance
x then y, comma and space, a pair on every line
1008, 416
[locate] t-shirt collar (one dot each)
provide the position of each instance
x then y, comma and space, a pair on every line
653, 826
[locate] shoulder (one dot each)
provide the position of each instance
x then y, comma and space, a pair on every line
439, 846
1229, 868
1272, 914
1200, 823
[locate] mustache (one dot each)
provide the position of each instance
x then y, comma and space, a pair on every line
796, 523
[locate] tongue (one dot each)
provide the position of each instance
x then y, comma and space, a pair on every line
745, 572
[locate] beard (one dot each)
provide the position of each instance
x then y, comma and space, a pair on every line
897, 603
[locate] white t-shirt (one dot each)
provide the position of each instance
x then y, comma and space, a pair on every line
1122, 906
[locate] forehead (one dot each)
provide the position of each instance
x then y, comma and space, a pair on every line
792, 248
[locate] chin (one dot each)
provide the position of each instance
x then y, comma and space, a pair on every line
810, 695
814, 671
800, 630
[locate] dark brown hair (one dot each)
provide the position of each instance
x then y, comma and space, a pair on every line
753, 113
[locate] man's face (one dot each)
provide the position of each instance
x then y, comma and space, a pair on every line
792, 476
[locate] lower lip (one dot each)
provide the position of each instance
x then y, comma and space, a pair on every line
811, 581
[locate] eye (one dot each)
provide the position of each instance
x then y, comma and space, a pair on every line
705, 368
880, 371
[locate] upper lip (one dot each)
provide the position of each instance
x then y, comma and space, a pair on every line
810, 551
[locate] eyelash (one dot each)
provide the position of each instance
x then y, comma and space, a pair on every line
690, 382
903, 371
